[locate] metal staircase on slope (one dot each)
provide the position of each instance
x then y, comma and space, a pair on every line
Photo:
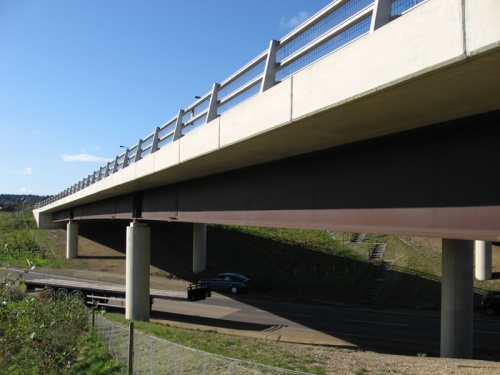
376, 283
385, 266
358, 237
377, 252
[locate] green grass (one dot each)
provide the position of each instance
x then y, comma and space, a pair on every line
270, 353
93, 358
22, 244
17, 244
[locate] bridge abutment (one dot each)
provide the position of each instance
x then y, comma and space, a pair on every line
72, 240
483, 259
44, 220
199, 247
457, 298
137, 282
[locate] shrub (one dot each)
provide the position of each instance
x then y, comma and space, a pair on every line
39, 335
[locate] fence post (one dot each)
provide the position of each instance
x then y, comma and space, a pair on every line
131, 348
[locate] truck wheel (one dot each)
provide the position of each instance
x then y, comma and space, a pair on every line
79, 295
62, 293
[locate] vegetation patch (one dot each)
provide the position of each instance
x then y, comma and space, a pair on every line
270, 353
39, 335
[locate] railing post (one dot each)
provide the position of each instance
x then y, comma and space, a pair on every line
269, 77
178, 125
138, 152
115, 165
125, 159
212, 107
381, 14
156, 140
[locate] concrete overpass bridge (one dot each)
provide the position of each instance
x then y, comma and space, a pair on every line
373, 116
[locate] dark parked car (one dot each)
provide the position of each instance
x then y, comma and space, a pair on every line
232, 282
491, 303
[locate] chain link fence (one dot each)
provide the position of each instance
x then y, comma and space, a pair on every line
145, 354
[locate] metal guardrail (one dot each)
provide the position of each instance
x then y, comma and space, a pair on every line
335, 26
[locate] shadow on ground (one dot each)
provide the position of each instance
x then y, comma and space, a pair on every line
285, 272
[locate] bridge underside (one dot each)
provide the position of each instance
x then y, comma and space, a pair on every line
440, 181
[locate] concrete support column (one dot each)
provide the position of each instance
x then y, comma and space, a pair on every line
72, 240
483, 262
199, 247
457, 298
137, 281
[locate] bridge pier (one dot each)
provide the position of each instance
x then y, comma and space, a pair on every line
457, 298
483, 260
72, 240
199, 247
137, 282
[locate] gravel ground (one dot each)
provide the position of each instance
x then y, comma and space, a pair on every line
347, 361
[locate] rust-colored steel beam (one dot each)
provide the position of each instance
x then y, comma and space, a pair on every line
441, 181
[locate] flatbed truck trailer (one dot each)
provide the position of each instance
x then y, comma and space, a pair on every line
107, 294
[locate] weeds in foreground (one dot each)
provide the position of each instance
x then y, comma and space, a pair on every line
17, 241
39, 335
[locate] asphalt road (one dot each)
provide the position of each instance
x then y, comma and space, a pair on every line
264, 316
384, 331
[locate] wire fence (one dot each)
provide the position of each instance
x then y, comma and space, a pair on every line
144, 354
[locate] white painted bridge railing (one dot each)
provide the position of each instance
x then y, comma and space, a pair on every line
338, 24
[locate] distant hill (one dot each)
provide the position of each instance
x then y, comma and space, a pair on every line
13, 202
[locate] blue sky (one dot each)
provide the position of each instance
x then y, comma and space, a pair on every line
80, 78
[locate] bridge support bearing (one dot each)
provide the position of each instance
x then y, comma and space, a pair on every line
137, 280
72, 240
482, 250
199, 247
457, 298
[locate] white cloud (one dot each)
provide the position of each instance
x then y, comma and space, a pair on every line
84, 158
26, 171
294, 21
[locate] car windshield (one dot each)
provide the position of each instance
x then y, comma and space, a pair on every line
232, 277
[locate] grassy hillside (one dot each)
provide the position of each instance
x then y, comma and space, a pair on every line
306, 264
